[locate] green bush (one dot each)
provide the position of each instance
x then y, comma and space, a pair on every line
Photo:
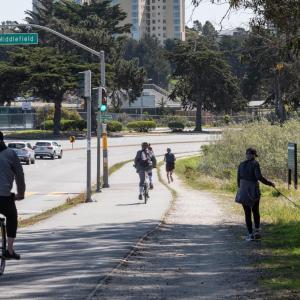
176, 126
79, 125
114, 126
66, 125
141, 126
48, 125
164, 121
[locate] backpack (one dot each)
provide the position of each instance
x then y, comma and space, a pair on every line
140, 163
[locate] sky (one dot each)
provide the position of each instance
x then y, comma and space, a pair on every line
13, 10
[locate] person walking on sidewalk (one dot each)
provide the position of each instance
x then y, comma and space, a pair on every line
10, 170
248, 177
170, 164
144, 162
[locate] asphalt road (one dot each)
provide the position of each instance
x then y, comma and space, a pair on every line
50, 183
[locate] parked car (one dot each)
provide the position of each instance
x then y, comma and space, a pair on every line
47, 149
24, 151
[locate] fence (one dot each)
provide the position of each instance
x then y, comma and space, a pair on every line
23, 121
17, 121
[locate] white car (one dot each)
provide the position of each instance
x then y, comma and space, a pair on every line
24, 151
48, 149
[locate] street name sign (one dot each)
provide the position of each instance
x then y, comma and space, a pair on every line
19, 39
106, 117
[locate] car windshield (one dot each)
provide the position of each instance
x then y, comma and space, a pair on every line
43, 144
16, 145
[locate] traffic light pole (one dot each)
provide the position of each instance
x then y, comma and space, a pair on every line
99, 123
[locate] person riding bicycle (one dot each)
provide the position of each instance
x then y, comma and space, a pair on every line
144, 162
10, 170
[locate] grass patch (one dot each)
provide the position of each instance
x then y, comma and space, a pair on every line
280, 254
70, 203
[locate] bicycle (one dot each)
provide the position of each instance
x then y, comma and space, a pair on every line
3, 245
146, 189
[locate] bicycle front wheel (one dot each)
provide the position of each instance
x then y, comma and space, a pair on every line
3, 246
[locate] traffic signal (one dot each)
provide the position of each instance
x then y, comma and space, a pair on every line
103, 106
84, 83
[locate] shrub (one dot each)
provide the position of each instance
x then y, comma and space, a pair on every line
79, 125
141, 126
66, 125
168, 119
114, 126
48, 125
176, 126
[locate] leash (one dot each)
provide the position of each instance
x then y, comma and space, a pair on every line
296, 205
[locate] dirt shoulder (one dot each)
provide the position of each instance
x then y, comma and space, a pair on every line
198, 253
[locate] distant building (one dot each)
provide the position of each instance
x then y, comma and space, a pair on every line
164, 19
152, 100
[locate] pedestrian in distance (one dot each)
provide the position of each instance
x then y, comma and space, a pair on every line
10, 170
248, 177
170, 164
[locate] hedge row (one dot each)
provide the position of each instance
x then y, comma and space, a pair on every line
141, 126
66, 125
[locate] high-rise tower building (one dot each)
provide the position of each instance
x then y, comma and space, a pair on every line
164, 19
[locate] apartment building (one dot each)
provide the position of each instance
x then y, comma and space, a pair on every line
164, 19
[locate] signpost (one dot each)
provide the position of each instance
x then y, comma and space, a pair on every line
106, 117
19, 39
292, 164
72, 140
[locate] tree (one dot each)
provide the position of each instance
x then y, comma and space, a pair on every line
204, 81
11, 78
50, 75
95, 25
127, 82
282, 15
152, 57
271, 70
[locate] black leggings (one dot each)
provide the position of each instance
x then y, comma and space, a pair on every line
9, 210
256, 216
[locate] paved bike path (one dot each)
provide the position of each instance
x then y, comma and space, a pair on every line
66, 256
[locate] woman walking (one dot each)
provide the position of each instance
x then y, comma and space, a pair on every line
249, 175
170, 164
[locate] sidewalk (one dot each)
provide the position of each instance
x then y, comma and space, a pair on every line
197, 254
65, 257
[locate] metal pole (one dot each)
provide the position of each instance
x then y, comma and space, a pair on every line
89, 130
105, 158
99, 121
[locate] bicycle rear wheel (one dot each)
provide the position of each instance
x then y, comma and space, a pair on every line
3, 245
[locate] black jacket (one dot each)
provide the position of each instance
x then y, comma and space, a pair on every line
250, 170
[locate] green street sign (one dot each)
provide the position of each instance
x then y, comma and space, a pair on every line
106, 117
19, 39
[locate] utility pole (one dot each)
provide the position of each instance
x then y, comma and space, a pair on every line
99, 122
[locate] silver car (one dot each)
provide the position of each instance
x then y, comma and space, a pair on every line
48, 149
24, 151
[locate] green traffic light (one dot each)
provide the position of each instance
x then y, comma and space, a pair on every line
103, 108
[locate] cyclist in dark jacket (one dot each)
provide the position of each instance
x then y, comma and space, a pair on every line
10, 170
249, 174
144, 162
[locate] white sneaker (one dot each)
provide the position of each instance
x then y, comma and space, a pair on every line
249, 237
